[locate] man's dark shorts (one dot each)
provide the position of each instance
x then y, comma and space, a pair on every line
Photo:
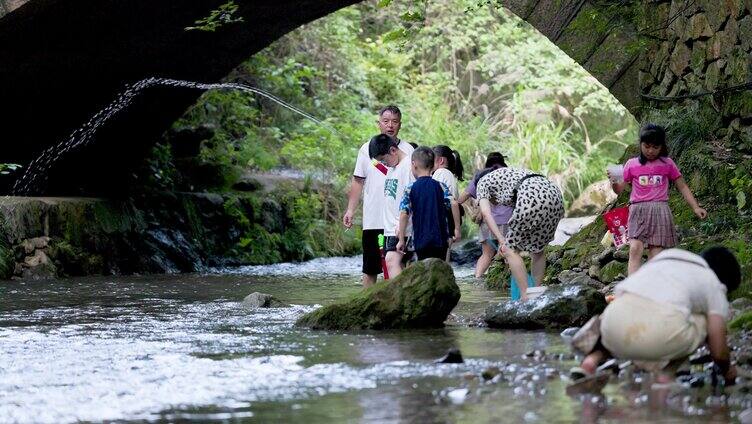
371, 254
390, 245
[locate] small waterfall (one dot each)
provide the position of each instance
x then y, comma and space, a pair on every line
36, 173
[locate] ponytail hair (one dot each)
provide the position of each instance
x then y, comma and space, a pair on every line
454, 163
458, 168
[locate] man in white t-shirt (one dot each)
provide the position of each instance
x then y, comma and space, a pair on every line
668, 308
367, 178
384, 149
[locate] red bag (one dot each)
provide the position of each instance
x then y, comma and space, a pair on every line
616, 222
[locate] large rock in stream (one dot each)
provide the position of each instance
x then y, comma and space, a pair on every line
560, 306
421, 297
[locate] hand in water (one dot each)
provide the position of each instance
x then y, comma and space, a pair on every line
700, 212
347, 219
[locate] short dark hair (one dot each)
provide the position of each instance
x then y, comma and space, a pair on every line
380, 144
391, 108
423, 156
655, 135
725, 266
495, 158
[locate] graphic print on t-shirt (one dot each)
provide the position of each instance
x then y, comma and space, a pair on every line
390, 188
650, 180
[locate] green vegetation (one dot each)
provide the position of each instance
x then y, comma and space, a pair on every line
223, 15
742, 322
452, 77
464, 72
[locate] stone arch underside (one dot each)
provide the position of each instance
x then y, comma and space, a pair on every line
50, 49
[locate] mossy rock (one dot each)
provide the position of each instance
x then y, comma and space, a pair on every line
498, 275
420, 297
7, 259
743, 322
612, 271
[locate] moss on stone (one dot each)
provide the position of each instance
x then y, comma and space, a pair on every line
613, 270
497, 276
742, 322
7, 260
421, 297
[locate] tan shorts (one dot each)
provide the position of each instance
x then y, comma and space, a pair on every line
637, 328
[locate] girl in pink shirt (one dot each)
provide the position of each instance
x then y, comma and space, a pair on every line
650, 223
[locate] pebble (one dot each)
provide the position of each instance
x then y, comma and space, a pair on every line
570, 332
745, 417
490, 373
453, 356
457, 396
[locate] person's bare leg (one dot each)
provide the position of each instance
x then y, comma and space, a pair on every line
654, 250
538, 267
485, 259
517, 267
368, 280
635, 255
394, 263
591, 361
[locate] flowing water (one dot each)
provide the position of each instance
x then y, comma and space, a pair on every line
34, 178
183, 348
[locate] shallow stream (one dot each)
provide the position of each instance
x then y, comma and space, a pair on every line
181, 347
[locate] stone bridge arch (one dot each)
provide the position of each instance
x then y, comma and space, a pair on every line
49, 49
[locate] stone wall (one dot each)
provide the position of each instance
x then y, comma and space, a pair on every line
699, 47
44, 237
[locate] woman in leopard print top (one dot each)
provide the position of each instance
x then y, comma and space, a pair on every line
538, 207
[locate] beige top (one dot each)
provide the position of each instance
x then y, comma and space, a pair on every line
681, 279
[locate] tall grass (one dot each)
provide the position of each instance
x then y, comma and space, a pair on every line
558, 151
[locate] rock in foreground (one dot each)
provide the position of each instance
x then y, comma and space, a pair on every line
560, 306
262, 300
421, 297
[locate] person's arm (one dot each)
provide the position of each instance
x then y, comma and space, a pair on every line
718, 346
352, 200
618, 187
683, 188
401, 231
485, 210
456, 217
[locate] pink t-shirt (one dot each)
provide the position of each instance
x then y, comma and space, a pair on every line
650, 181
